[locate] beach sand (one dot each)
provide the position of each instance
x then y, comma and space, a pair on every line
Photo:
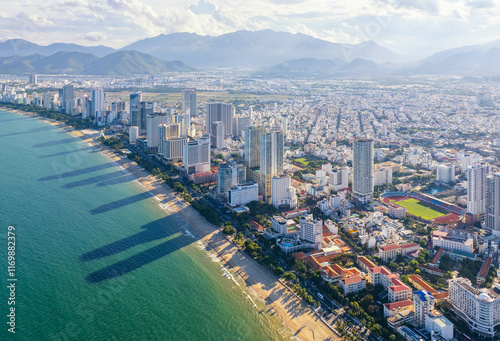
302, 320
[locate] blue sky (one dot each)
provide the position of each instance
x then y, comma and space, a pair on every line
412, 27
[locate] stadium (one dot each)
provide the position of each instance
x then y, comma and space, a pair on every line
424, 207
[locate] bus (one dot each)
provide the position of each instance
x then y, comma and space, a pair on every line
320, 296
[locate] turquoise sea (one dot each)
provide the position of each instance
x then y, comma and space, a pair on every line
98, 259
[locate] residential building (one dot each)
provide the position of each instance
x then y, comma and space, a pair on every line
476, 189
271, 160
423, 302
188, 102
449, 241
220, 111
492, 214
445, 173
283, 194
392, 308
252, 148
217, 135
135, 108
153, 122
338, 179
133, 134
224, 179
382, 176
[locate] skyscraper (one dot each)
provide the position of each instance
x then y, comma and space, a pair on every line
147, 108
217, 135
196, 156
135, 108
153, 121
97, 101
67, 94
188, 102
224, 178
219, 111
362, 180
252, 148
492, 214
271, 160
476, 190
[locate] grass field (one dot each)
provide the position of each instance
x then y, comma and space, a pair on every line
302, 160
421, 209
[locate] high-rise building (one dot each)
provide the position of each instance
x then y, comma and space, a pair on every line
133, 134
241, 123
217, 135
283, 194
252, 148
243, 194
172, 149
311, 230
153, 122
147, 108
423, 302
196, 156
492, 214
188, 104
67, 94
480, 308
476, 189
338, 179
445, 173
219, 111
135, 108
224, 178
362, 165
97, 102
47, 102
33, 78
271, 160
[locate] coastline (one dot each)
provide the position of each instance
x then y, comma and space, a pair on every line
295, 314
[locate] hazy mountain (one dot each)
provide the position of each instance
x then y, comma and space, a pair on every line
21, 47
468, 59
256, 49
128, 63
120, 63
325, 66
306, 65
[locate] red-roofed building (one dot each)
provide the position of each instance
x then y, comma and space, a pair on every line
390, 251
257, 226
399, 293
364, 263
352, 284
483, 272
420, 284
391, 309
437, 256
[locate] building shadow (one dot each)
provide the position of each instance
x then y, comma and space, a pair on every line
78, 172
95, 179
68, 152
34, 130
16, 119
154, 231
120, 203
56, 143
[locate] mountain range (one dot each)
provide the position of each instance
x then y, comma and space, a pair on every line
266, 50
125, 63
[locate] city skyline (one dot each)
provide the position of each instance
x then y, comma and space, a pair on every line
416, 28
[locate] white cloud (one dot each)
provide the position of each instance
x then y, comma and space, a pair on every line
94, 36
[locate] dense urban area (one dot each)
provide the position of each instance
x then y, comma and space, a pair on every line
376, 199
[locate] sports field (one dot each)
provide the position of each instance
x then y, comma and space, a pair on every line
421, 209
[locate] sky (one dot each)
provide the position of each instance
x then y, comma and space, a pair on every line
411, 27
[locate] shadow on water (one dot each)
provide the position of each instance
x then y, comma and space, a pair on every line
69, 152
16, 119
56, 143
120, 203
156, 230
34, 130
78, 172
102, 180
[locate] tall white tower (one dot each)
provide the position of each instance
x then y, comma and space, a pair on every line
476, 189
362, 180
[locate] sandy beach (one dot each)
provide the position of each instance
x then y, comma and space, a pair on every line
304, 323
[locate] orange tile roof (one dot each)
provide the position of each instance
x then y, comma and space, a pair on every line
440, 295
485, 268
299, 255
436, 257
351, 280
399, 304
389, 247
398, 288
366, 262
406, 246
426, 286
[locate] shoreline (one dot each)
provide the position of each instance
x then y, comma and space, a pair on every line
295, 315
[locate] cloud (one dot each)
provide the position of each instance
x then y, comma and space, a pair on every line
203, 7
94, 36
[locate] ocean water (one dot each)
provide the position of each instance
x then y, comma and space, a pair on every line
98, 259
